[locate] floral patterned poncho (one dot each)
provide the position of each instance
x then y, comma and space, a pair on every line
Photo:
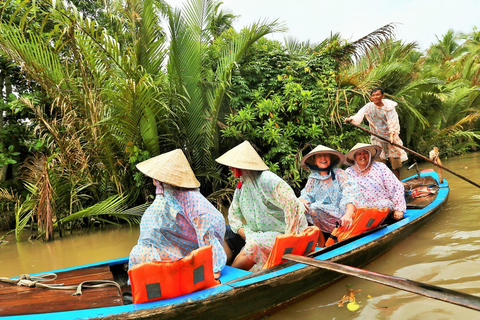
382, 121
175, 224
269, 207
329, 198
380, 187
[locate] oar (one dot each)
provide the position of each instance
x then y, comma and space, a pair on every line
417, 154
424, 289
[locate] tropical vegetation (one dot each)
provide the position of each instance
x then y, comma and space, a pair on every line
90, 89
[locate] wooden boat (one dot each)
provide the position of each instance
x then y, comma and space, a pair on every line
241, 294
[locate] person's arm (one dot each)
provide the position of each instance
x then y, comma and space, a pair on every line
294, 210
357, 118
204, 225
396, 191
351, 192
209, 226
351, 196
393, 125
304, 197
235, 216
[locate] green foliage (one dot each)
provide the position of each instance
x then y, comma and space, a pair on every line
103, 89
282, 104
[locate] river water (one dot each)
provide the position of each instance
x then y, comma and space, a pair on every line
444, 253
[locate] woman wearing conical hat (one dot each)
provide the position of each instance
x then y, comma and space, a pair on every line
263, 206
379, 186
180, 219
330, 196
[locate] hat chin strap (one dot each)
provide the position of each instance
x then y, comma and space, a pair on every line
328, 169
159, 187
368, 164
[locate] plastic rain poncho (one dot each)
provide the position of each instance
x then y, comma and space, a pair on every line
380, 188
269, 207
329, 198
175, 224
383, 121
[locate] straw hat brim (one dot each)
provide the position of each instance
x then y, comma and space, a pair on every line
172, 168
375, 152
244, 157
310, 157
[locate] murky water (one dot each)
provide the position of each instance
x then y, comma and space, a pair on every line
81, 248
444, 253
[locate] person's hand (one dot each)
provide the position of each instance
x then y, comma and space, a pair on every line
306, 203
241, 233
216, 275
347, 219
392, 137
397, 215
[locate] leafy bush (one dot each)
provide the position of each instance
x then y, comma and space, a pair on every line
282, 104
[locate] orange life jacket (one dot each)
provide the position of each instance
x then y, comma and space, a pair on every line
363, 219
299, 244
157, 280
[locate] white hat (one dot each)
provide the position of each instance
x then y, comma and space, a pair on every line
172, 168
374, 151
243, 156
310, 157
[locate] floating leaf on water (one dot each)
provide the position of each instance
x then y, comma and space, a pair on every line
348, 297
353, 306
369, 297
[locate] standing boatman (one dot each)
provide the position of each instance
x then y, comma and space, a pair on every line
383, 120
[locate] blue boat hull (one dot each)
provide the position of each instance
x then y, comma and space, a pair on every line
243, 294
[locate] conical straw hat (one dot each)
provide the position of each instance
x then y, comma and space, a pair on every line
243, 156
374, 151
310, 157
172, 168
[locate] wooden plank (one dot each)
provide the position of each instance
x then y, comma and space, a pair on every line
421, 202
61, 301
16, 300
6, 288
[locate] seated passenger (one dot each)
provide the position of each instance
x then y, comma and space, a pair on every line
330, 196
180, 219
379, 186
263, 206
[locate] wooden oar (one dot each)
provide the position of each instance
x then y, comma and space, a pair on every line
417, 154
424, 289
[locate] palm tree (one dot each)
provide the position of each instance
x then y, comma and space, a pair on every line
106, 109
201, 81
115, 99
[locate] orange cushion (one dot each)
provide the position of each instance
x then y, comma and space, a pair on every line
157, 280
363, 219
299, 244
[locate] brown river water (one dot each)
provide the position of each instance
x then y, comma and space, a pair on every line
444, 253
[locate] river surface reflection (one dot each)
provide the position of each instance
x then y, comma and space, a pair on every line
444, 253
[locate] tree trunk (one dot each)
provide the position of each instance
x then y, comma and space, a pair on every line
3, 169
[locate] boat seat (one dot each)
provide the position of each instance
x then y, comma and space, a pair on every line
157, 280
299, 244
